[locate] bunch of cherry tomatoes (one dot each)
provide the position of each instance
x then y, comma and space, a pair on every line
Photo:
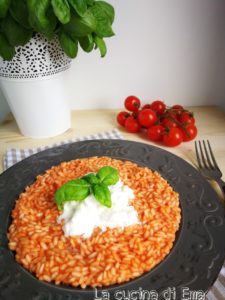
167, 125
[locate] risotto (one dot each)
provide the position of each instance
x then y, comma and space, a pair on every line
114, 256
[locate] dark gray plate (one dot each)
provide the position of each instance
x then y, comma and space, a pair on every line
194, 261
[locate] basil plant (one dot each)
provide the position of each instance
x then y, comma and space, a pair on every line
83, 23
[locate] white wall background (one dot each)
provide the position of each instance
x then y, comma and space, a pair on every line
173, 50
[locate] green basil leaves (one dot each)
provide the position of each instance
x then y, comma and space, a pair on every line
84, 23
15, 34
41, 17
91, 178
103, 18
80, 6
87, 43
4, 6
97, 184
20, 12
62, 10
79, 27
70, 46
100, 44
108, 175
102, 194
6, 50
73, 190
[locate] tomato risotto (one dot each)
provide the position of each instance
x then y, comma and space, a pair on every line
114, 256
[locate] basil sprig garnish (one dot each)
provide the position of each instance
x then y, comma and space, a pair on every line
77, 190
102, 194
95, 183
108, 175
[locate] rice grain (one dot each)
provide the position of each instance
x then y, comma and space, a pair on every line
114, 256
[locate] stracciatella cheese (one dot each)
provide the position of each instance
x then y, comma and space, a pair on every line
80, 218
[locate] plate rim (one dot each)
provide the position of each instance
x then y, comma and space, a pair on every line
155, 149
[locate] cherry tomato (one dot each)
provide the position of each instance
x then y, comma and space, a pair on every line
189, 132
167, 122
146, 106
121, 117
132, 125
177, 110
171, 114
135, 114
147, 117
172, 137
158, 106
155, 132
132, 103
171, 125
177, 106
187, 118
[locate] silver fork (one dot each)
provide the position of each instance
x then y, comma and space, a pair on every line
207, 163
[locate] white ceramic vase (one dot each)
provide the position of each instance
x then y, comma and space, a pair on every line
33, 84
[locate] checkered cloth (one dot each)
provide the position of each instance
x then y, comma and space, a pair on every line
12, 156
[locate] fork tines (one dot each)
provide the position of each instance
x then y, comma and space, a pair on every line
205, 156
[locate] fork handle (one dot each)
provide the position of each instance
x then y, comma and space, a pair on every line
222, 185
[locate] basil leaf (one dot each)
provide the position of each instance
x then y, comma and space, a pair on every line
37, 13
108, 9
15, 34
102, 194
90, 2
103, 27
91, 178
51, 24
80, 26
19, 12
87, 43
99, 42
73, 190
4, 6
62, 10
80, 6
41, 17
79, 189
6, 50
69, 46
108, 175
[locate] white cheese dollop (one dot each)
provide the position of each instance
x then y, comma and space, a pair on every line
80, 218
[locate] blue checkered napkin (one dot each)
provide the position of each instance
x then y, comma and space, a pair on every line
12, 155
